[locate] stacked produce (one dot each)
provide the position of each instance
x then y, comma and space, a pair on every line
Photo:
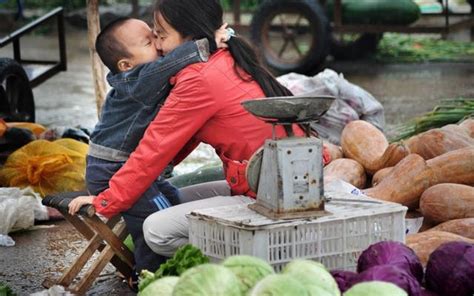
431, 173
385, 268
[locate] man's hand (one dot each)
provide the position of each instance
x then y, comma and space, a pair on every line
78, 202
221, 36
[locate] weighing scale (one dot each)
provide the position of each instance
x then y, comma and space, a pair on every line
287, 173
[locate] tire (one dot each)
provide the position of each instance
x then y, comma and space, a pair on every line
299, 25
358, 47
16, 97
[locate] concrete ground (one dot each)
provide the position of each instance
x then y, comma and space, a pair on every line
405, 90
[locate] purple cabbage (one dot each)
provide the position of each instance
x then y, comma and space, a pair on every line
392, 253
344, 279
450, 269
391, 274
428, 293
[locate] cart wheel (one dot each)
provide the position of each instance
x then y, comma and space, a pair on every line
16, 96
346, 46
292, 35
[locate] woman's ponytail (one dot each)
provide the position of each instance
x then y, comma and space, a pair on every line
246, 59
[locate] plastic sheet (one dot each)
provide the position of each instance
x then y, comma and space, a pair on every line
18, 210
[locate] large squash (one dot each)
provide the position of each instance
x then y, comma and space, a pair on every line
405, 183
463, 227
468, 125
424, 243
438, 141
367, 145
347, 170
444, 202
364, 143
334, 150
453, 167
380, 174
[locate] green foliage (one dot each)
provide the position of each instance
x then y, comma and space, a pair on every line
414, 48
185, 257
449, 111
245, 5
5, 290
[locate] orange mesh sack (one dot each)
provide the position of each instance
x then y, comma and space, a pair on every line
48, 167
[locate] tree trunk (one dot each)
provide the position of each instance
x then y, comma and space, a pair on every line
98, 71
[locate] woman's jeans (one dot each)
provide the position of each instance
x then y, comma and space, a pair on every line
159, 196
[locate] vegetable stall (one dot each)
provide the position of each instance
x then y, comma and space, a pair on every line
433, 167
429, 171
385, 268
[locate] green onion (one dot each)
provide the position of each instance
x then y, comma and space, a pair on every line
449, 111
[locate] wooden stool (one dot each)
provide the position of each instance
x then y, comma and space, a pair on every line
103, 236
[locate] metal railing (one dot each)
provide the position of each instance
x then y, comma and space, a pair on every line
56, 66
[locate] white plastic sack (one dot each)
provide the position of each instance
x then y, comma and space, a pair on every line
412, 225
352, 102
339, 185
55, 290
17, 211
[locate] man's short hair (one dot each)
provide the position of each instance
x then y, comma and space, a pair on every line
108, 47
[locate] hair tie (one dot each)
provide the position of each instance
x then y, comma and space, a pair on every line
230, 33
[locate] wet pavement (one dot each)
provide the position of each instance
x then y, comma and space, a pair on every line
45, 253
405, 90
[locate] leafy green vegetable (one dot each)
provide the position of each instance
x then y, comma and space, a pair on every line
208, 279
449, 111
185, 257
162, 287
128, 242
5, 290
248, 269
414, 48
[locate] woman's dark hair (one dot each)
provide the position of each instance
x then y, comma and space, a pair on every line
200, 19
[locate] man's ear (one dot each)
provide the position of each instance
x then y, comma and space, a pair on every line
124, 65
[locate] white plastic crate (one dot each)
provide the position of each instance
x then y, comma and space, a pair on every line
336, 240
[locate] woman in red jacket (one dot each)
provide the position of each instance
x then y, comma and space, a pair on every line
203, 106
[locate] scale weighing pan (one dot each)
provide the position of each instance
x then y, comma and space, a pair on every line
289, 109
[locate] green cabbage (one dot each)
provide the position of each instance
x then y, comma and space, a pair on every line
208, 279
278, 285
375, 288
162, 287
314, 276
248, 269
